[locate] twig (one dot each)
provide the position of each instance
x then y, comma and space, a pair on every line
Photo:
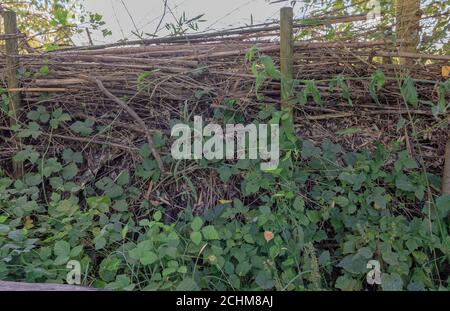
135, 116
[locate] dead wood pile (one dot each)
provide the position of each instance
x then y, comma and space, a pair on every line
196, 76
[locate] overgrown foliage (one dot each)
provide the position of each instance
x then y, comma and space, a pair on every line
311, 224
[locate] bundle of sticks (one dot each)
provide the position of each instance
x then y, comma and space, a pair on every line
139, 89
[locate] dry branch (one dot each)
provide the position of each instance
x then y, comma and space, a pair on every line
136, 117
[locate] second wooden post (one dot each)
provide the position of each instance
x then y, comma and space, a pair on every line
12, 65
286, 57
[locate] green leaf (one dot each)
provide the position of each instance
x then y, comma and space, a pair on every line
299, 204
378, 197
33, 130
310, 89
264, 280
196, 237
347, 283
210, 233
342, 201
110, 188
108, 268
377, 81
40, 114
71, 156
143, 252
57, 117
83, 128
120, 206
224, 173
309, 150
355, 264
391, 282
390, 257
269, 67
196, 224
124, 178
409, 92
243, 268
99, 242
100, 203
28, 154
443, 205
32, 179
186, 285
157, 216
51, 166
402, 182
62, 251
69, 171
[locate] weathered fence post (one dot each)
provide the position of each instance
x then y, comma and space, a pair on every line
407, 26
286, 56
12, 64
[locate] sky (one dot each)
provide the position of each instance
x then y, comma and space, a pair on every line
219, 14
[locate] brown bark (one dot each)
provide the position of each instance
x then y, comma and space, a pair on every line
408, 26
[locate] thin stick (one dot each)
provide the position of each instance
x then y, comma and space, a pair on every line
135, 116
36, 89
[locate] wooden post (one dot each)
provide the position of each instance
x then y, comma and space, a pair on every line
407, 26
12, 64
286, 57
